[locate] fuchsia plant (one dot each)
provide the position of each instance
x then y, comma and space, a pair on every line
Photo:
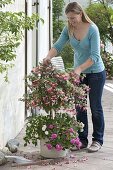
58, 94
50, 89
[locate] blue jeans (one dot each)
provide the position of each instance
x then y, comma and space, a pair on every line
96, 82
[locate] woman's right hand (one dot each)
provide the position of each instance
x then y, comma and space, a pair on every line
46, 60
52, 53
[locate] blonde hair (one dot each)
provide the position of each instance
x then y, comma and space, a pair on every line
77, 9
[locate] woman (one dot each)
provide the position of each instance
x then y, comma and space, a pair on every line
84, 37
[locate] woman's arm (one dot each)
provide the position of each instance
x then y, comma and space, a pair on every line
52, 53
84, 66
57, 46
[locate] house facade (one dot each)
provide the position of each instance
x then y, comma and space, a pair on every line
32, 49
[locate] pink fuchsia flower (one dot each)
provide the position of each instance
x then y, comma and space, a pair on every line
51, 126
71, 130
33, 104
54, 136
54, 85
79, 145
34, 82
76, 81
77, 141
58, 147
49, 89
49, 146
60, 92
65, 77
72, 141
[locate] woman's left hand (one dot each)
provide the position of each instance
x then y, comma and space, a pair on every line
78, 71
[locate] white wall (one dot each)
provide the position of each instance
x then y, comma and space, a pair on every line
43, 33
11, 109
29, 39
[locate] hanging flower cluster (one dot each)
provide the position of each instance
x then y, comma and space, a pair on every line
50, 89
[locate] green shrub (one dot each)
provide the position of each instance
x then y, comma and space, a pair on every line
67, 55
108, 61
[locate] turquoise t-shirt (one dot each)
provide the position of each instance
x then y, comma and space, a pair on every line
88, 47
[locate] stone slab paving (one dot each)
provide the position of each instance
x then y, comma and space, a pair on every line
77, 160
